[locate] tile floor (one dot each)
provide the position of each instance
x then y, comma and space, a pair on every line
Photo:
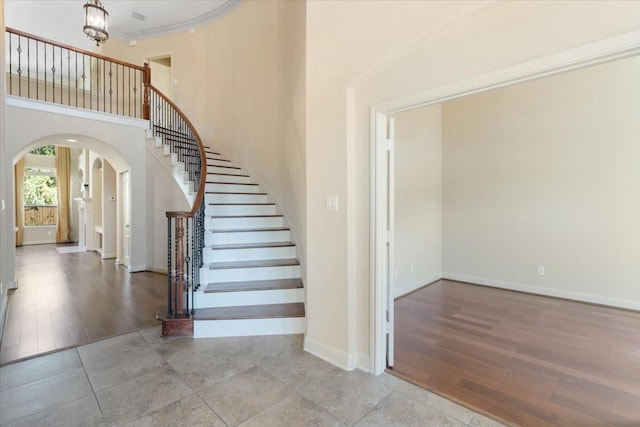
142, 379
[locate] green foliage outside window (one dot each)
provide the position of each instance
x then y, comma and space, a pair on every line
40, 190
45, 150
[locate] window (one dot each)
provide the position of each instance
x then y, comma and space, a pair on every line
40, 197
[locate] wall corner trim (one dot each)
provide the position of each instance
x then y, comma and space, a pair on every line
333, 355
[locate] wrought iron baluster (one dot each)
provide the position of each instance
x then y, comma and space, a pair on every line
110, 87
28, 68
169, 268
53, 73
19, 70
10, 66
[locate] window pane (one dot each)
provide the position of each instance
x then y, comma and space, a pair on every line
40, 200
40, 190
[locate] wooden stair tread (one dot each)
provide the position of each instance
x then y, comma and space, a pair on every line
217, 160
231, 183
242, 204
250, 245
245, 216
255, 285
226, 167
229, 174
235, 192
252, 264
250, 312
246, 230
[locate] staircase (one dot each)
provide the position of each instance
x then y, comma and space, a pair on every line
250, 280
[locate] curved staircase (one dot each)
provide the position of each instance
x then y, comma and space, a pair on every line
250, 280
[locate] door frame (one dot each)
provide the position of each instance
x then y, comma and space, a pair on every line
618, 47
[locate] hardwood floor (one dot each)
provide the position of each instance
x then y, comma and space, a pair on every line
524, 359
75, 298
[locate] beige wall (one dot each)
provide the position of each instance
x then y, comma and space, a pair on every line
546, 174
240, 80
377, 52
418, 198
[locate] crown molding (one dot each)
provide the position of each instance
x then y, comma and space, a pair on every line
217, 13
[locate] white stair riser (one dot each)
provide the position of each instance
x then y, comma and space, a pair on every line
218, 162
214, 169
235, 198
240, 210
246, 237
243, 222
234, 299
228, 178
248, 327
229, 255
177, 168
231, 188
208, 275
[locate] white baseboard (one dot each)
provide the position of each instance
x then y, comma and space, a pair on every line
161, 270
398, 291
330, 354
136, 268
108, 255
38, 242
558, 293
364, 362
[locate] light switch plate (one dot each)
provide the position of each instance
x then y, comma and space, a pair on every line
332, 203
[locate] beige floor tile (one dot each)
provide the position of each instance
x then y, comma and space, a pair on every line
142, 395
244, 395
30, 399
482, 421
203, 362
399, 409
190, 411
295, 368
137, 358
83, 412
111, 347
442, 404
17, 374
348, 396
153, 335
295, 410
260, 348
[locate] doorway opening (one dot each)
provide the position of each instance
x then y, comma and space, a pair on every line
382, 209
162, 74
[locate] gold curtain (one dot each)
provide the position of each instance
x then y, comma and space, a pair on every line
18, 174
63, 171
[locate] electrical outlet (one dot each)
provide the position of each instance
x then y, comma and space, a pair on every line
540, 270
411, 269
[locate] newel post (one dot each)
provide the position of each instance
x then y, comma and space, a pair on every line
146, 109
177, 322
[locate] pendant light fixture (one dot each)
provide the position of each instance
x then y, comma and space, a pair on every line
96, 21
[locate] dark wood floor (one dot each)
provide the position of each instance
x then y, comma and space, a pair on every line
71, 299
525, 359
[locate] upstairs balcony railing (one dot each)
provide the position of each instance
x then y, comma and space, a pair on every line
45, 70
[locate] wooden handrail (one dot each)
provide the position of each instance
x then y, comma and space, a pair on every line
203, 160
73, 49
121, 86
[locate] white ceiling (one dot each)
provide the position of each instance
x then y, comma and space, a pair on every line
61, 20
